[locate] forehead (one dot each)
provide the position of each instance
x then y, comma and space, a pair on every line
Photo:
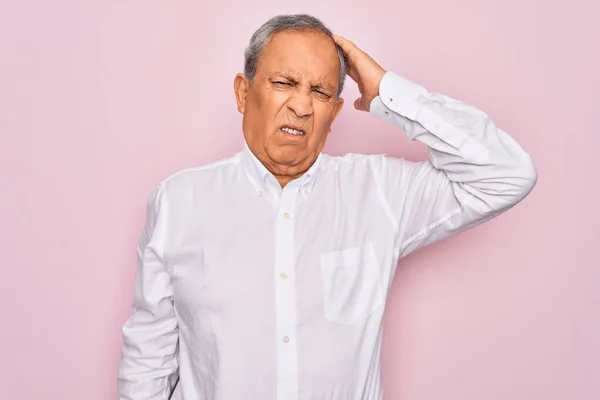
305, 54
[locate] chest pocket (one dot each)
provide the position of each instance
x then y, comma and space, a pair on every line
352, 286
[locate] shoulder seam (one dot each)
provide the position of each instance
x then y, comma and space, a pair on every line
349, 158
213, 165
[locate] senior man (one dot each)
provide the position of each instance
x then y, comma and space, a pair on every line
265, 275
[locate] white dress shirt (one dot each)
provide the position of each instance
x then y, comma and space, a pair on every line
245, 291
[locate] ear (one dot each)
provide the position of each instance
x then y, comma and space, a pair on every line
240, 87
337, 108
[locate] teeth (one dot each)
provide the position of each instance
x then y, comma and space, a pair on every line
292, 131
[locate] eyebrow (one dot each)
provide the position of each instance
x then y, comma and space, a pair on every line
319, 85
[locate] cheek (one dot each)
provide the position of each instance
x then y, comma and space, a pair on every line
323, 118
321, 125
269, 105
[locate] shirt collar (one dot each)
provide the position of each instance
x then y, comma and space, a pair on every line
262, 179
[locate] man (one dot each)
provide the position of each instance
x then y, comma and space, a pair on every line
264, 276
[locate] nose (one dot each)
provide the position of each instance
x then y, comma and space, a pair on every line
301, 104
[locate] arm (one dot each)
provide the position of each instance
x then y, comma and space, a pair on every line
149, 366
475, 171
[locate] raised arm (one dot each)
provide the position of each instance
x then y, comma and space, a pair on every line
475, 170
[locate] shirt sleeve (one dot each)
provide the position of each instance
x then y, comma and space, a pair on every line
149, 367
475, 170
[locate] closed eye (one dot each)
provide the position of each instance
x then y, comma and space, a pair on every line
322, 94
281, 83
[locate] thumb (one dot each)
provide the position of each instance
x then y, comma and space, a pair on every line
359, 104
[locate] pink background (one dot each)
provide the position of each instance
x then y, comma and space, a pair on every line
99, 100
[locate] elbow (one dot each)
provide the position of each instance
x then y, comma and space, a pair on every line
504, 185
524, 180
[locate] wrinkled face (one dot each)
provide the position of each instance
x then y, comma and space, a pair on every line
290, 105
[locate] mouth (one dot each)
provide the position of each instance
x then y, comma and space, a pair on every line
293, 131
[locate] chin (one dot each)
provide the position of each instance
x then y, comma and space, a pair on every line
285, 155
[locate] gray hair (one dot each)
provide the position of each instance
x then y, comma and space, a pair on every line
261, 38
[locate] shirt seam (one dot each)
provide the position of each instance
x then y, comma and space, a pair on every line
210, 166
430, 228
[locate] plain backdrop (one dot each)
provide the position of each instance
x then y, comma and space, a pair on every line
100, 100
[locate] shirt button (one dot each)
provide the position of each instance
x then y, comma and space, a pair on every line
386, 112
261, 194
284, 275
436, 126
286, 339
306, 192
391, 99
286, 215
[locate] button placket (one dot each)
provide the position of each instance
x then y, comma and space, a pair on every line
285, 293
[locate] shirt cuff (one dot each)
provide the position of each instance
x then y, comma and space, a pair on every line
399, 94
404, 103
398, 103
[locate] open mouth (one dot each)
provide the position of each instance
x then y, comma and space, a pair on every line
293, 131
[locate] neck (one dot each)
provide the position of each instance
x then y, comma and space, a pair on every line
285, 179
284, 173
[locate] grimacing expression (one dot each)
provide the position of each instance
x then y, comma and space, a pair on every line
290, 105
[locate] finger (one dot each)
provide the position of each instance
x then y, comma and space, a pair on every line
358, 104
350, 71
339, 39
344, 43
